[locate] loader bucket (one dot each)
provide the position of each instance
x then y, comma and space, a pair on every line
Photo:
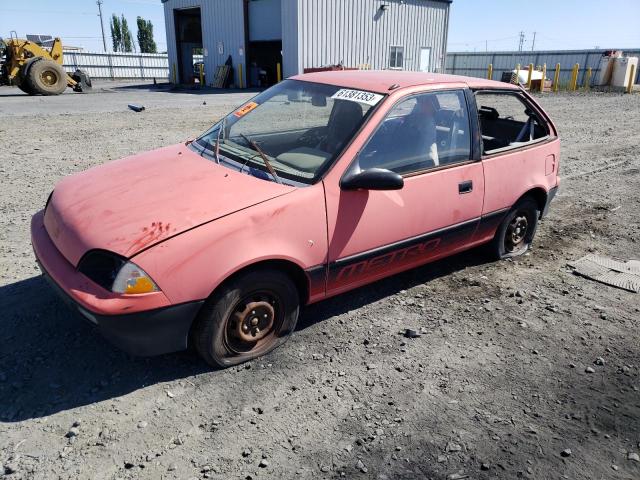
83, 81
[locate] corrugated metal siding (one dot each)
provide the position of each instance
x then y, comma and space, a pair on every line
265, 20
475, 64
291, 55
356, 32
222, 21
117, 65
317, 33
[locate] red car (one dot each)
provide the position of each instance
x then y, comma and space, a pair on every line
320, 184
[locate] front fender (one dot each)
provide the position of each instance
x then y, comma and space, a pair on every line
192, 265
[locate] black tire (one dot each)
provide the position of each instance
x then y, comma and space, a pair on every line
265, 301
25, 83
47, 78
516, 232
25, 86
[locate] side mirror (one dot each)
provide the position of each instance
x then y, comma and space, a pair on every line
372, 179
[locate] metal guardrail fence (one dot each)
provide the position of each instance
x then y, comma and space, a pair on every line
475, 64
118, 65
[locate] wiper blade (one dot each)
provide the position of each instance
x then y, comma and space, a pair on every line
266, 161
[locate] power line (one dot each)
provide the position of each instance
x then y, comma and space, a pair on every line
478, 42
151, 3
48, 12
86, 36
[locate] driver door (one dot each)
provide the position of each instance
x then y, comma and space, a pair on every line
372, 233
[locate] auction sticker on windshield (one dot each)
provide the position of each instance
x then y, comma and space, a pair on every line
360, 96
242, 111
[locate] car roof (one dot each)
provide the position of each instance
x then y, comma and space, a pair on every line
380, 81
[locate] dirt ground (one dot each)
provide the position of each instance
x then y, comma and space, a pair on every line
496, 387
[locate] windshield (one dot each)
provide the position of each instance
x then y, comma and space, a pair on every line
294, 129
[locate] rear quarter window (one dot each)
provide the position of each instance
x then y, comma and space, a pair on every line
507, 121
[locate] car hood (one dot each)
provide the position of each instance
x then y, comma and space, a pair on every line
131, 204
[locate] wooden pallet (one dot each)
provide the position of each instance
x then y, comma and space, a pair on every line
221, 75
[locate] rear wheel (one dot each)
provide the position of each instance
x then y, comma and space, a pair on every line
47, 78
25, 83
26, 87
246, 318
515, 234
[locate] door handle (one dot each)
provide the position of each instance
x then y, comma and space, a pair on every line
465, 187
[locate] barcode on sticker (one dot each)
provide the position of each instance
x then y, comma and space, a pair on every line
357, 96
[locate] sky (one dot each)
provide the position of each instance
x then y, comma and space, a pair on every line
474, 25
76, 22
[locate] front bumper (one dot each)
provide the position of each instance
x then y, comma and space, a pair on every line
145, 326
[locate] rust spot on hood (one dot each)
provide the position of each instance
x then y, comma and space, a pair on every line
149, 235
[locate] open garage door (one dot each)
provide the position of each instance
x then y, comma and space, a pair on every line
265, 41
188, 25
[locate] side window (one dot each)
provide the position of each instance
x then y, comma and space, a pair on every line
396, 57
421, 132
506, 120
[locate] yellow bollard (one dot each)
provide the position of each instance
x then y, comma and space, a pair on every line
573, 73
587, 79
240, 77
279, 68
175, 80
490, 72
517, 74
530, 76
556, 78
632, 79
574, 77
544, 77
201, 67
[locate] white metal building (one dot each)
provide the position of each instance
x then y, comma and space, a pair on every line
302, 34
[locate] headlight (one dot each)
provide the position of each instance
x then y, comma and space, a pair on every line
132, 279
115, 273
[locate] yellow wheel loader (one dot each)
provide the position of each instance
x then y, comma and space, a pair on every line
35, 70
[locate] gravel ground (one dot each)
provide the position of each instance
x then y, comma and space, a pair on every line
522, 370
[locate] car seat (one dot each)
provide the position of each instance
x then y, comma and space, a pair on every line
345, 118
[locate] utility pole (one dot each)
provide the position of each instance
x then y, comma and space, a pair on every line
104, 42
533, 45
521, 41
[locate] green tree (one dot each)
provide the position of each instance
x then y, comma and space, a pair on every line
145, 36
127, 42
116, 33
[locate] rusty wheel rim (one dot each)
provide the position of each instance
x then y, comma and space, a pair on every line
254, 323
516, 234
49, 78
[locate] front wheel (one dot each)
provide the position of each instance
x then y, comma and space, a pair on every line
46, 77
515, 234
246, 318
